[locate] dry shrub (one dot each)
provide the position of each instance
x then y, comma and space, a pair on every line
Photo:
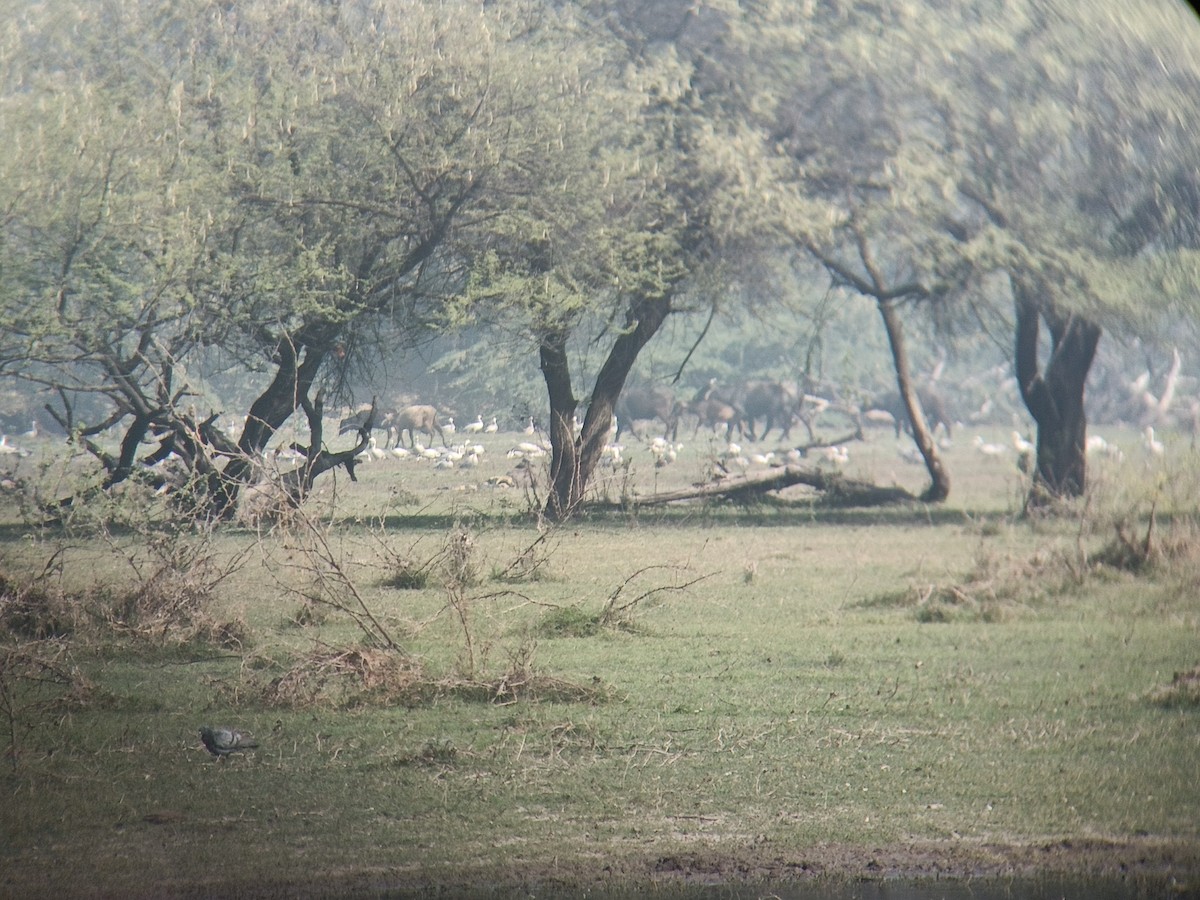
265, 504
32, 609
1183, 691
522, 682
349, 677
997, 590
408, 575
38, 679
1175, 548
534, 686
172, 607
964, 603
341, 678
532, 563
459, 562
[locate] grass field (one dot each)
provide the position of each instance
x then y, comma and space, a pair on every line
447, 697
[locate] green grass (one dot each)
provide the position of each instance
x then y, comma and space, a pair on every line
798, 692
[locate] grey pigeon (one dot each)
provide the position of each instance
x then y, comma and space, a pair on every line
223, 741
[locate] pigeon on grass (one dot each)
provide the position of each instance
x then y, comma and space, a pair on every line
224, 741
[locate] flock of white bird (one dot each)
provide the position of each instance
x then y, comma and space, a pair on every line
459, 455
1096, 446
469, 453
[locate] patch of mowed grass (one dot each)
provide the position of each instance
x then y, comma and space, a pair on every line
805, 704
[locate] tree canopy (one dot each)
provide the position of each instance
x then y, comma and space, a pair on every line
293, 187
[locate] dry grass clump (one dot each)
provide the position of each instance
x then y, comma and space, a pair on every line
32, 609
1177, 547
172, 607
1183, 691
359, 676
522, 682
998, 589
408, 575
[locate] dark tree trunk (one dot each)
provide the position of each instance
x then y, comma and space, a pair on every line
565, 482
571, 469
286, 393
1055, 398
939, 487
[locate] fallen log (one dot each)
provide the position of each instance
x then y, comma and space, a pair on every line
839, 490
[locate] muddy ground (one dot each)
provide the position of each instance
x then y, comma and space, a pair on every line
1147, 867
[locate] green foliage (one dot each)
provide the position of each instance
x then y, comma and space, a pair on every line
186, 183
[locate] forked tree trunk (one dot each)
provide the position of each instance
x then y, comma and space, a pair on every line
573, 460
939, 486
1055, 398
285, 394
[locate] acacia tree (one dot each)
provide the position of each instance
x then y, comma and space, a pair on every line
861, 163
654, 184
939, 146
268, 180
1059, 146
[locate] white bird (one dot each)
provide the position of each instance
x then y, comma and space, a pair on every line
1021, 444
663, 451
374, 449
1153, 447
6, 447
448, 426
1097, 444
474, 427
34, 431
988, 449
492, 427
401, 452
839, 456
530, 429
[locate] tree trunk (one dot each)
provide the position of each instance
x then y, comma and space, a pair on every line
1055, 398
939, 487
286, 393
565, 482
572, 469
